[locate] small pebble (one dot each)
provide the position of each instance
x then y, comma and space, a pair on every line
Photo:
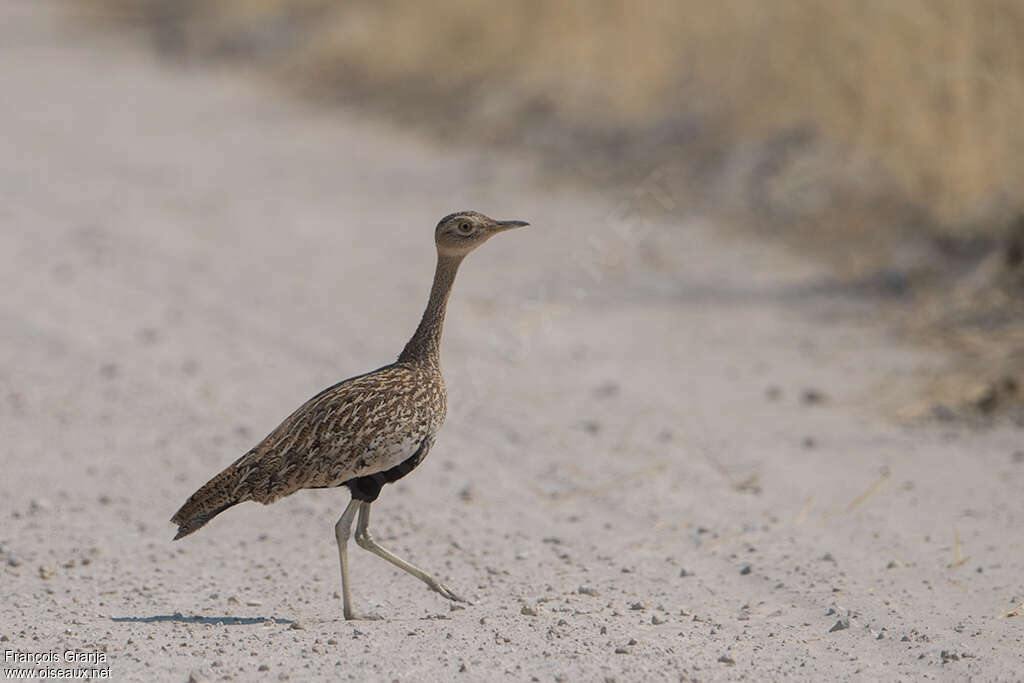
636, 606
622, 650
528, 611
841, 625
587, 590
726, 659
745, 570
812, 397
297, 626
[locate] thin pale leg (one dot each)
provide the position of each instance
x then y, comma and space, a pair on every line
342, 532
365, 540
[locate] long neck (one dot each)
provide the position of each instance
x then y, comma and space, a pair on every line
425, 344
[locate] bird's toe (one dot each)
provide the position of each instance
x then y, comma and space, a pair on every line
449, 593
363, 616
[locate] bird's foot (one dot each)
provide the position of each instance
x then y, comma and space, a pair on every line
447, 592
362, 616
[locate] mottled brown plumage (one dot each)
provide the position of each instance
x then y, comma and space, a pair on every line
363, 432
359, 427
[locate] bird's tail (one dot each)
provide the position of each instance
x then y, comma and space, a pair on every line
214, 497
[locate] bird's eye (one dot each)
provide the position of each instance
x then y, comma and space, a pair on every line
464, 228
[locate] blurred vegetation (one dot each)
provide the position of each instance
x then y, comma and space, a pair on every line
856, 128
930, 90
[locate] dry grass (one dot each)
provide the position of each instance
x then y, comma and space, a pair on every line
929, 91
846, 125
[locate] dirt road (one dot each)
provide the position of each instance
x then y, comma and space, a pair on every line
668, 454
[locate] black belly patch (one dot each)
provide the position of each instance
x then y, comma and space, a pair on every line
368, 488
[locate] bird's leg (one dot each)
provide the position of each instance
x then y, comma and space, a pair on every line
342, 532
365, 540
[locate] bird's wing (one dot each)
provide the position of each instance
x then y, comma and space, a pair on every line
360, 426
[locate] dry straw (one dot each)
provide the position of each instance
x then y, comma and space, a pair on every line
929, 91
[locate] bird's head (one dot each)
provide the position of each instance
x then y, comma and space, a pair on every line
460, 233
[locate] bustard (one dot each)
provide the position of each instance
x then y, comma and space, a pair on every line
364, 432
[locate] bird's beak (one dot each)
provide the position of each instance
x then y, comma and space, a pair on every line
508, 225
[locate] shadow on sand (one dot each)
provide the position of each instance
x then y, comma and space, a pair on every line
179, 618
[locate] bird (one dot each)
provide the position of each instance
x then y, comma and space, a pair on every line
363, 432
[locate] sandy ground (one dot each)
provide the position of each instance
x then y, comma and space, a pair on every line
654, 468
